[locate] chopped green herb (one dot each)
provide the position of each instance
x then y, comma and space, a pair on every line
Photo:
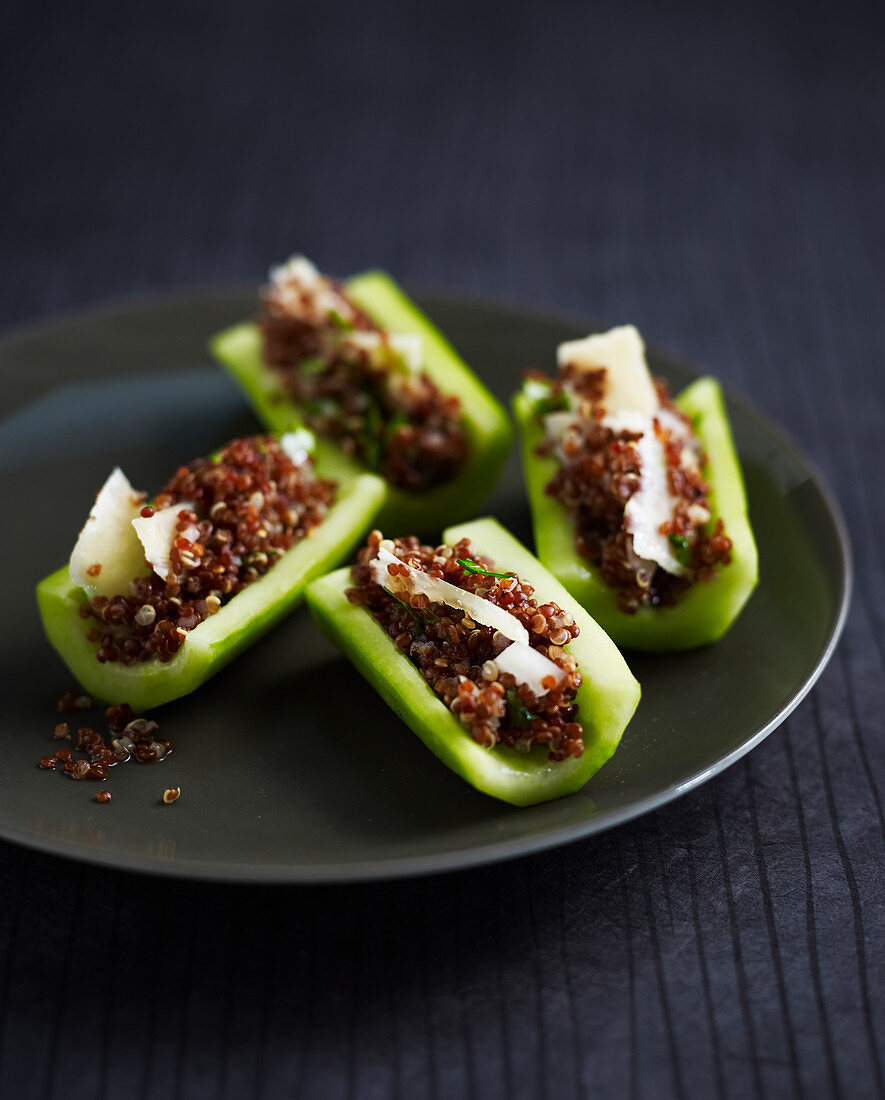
681, 548
312, 364
470, 566
319, 408
373, 443
556, 402
519, 714
339, 322
397, 421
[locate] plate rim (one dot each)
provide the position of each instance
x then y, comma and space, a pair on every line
387, 869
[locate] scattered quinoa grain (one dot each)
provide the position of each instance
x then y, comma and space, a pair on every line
103, 796
171, 794
73, 700
137, 737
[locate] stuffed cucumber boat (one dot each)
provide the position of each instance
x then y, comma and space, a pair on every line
158, 596
638, 501
383, 390
485, 656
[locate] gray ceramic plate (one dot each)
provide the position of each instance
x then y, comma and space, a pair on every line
274, 788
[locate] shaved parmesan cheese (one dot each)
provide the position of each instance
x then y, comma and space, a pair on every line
311, 296
108, 541
410, 348
298, 445
621, 352
675, 425
689, 459
530, 668
406, 349
364, 341
536, 390
158, 532
306, 292
297, 269
438, 591
556, 424
629, 420
631, 404
699, 515
652, 504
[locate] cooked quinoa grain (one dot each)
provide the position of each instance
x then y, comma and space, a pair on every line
457, 656
252, 503
73, 700
600, 471
350, 385
129, 736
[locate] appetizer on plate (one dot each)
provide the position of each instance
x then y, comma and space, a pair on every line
485, 656
160, 595
637, 499
379, 385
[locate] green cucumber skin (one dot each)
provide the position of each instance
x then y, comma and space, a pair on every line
490, 433
217, 640
706, 611
607, 697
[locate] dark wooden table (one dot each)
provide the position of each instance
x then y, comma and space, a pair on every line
716, 176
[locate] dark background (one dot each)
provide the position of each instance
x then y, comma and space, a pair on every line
715, 176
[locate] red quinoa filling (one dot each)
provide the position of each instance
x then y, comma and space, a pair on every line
252, 503
600, 470
457, 656
397, 423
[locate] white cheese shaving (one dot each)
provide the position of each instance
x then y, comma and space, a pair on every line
689, 459
631, 403
107, 540
297, 269
621, 352
529, 667
652, 504
439, 591
410, 349
158, 532
298, 445
557, 423
535, 390
406, 349
629, 420
699, 515
306, 292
